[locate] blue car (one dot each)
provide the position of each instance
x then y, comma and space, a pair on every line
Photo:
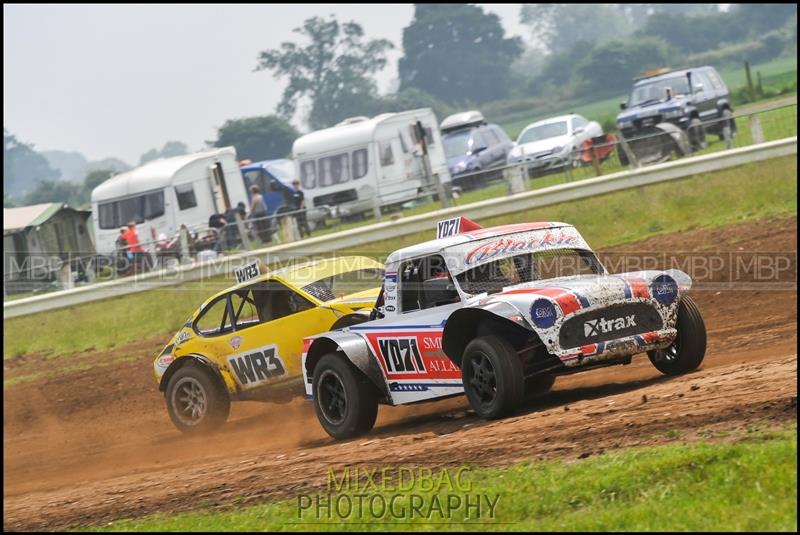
471, 146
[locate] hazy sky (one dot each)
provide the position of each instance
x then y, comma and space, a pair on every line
118, 80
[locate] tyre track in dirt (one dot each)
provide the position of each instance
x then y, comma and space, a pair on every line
95, 445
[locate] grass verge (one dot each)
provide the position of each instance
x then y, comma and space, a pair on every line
747, 192
749, 485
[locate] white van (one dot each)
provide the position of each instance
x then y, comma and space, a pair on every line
166, 193
347, 166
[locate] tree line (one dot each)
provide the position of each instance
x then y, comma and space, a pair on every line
457, 56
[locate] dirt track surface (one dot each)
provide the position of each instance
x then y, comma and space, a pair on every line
92, 446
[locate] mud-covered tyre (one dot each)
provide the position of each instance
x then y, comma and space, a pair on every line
697, 135
345, 400
493, 377
689, 348
539, 385
196, 401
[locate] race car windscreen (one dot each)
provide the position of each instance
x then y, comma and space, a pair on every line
492, 277
346, 283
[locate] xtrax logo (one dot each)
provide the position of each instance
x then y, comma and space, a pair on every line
401, 355
602, 325
257, 366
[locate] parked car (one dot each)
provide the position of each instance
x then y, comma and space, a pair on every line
472, 145
553, 143
245, 343
497, 314
687, 102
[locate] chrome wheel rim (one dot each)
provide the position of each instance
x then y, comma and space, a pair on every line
190, 401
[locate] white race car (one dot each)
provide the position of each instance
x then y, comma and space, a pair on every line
496, 313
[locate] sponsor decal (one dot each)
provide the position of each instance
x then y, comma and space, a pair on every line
664, 289
236, 341
391, 277
389, 308
165, 361
257, 366
603, 325
507, 246
401, 355
391, 287
183, 336
543, 313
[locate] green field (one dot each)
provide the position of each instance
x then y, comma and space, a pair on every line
745, 484
748, 192
781, 70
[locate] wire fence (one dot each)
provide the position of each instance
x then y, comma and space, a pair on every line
49, 271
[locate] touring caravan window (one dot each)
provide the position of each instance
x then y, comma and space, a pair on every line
140, 208
107, 215
334, 169
186, 198
308, 174
154, 205
387, 158
359, 163
403, 145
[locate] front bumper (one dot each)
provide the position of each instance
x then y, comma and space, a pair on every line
620, 347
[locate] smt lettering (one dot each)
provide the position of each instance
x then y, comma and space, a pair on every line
257, 366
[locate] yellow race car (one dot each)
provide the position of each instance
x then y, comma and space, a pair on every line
246, 342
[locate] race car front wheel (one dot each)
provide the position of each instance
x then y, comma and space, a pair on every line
687, 351
196, 402
344, 399
493, 377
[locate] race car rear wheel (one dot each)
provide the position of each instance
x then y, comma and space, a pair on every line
196, 402
344, 399
493, 377
687, 351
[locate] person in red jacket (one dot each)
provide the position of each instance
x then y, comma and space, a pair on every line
134, 246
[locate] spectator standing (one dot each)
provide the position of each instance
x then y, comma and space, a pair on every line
299, 205
134, 246
123, 253
231, 230
218, 222
258, 212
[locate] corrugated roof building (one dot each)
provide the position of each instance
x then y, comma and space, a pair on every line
38, 240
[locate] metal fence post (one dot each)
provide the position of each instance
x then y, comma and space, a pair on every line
184, 244
376, 208
514, 179
755, 129
595, 162
242, 232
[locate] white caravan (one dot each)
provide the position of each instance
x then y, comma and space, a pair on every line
361, 161
166, 193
